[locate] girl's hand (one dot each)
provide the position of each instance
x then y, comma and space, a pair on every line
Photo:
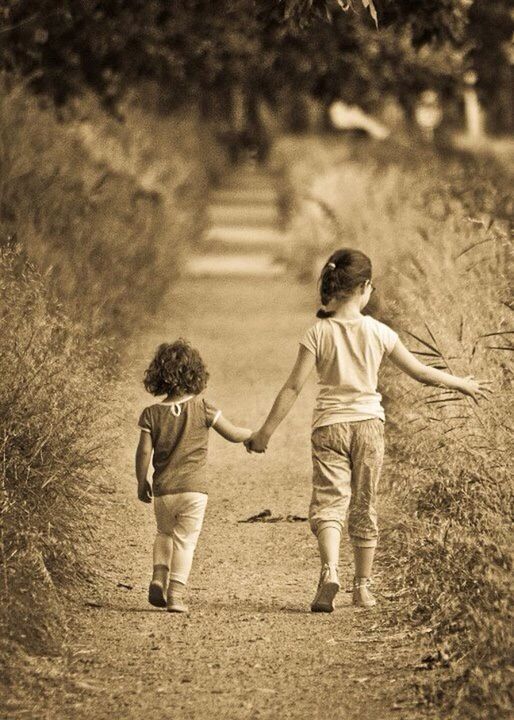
144, 492
475, 388
257, 442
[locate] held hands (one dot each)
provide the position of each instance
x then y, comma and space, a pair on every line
257, 442
475, 389
144, 492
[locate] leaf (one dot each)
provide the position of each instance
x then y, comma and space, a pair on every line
444, 400
425, 354
502, 332
373, 12
470, 247
424, 342
431, 334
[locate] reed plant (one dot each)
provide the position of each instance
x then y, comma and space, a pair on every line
107, 209
437, 229
53, 396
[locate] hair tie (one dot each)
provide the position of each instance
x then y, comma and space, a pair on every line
331, 266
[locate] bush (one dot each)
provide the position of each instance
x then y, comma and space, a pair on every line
52, 420
107, 209
437, 233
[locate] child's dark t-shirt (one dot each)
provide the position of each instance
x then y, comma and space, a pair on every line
179, 434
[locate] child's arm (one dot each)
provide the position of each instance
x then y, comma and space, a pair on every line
230, 432
427, 375
143, 457
304, 365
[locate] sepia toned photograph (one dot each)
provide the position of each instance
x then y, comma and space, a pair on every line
256, 359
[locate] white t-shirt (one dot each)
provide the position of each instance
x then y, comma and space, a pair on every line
348, 355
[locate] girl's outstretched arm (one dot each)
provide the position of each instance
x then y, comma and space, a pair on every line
284, 401
427, 375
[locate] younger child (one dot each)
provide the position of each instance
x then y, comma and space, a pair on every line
176, 431
347, 348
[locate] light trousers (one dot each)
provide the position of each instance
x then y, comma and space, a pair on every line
179, 522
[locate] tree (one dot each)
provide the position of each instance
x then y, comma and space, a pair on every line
197, 50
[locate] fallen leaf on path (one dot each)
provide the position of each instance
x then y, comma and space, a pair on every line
93, 603
266, 516
263, 516
124, 585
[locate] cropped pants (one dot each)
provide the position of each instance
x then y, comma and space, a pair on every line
347, 459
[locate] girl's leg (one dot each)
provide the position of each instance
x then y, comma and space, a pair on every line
364, 557
162, 549
329, 503
329, 541
367, 453
190, 513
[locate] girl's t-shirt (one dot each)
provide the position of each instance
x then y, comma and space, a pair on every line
179, 434
348, 356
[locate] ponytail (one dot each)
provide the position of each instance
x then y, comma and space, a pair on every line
324, 314
345, 270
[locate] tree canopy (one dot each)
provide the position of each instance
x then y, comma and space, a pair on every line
191, 47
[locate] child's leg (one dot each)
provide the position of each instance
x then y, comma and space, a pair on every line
367, 452
329, 540
162, 549
364, 557
190, 511
329, 503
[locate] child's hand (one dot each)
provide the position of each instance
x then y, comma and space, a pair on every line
475, 388
144, 492
257, 442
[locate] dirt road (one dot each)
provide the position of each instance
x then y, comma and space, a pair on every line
250, 647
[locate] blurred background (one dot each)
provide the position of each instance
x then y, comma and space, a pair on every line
147, 145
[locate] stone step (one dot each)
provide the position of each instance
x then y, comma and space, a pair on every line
234, 265
243, 214
245, 236
248, 181
242, 196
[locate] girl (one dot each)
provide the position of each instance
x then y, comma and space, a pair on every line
347, 348
176, 431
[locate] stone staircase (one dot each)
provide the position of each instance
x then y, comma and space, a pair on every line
244, 235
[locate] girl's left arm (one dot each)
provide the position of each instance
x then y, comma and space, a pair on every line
143, 457
304, 365
232, 433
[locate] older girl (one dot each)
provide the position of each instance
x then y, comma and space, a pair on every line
347, 349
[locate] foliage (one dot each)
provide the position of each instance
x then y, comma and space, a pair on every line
52, 418
443, 263
93, 200
199, 52
193, 46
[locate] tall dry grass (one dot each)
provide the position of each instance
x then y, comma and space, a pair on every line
437, 230
106, 209
52, 430
95, 218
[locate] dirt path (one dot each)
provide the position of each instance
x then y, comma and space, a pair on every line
250, 648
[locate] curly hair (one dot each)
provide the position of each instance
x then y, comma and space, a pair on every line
176, 369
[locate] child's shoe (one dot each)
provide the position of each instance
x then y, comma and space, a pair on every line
176, 605
156, 594
176, 591
361, 594
328, 587
157, 589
